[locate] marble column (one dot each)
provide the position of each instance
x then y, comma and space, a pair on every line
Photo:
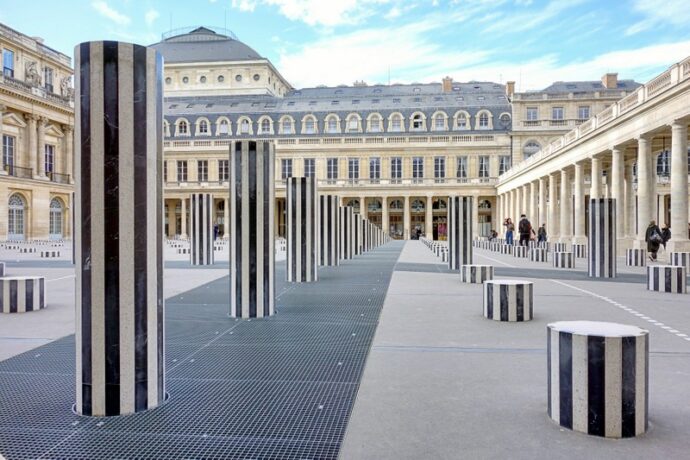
601, 235
552, 225
302, 230
347, 236
460, 223
630, 200
363, 210
41, 148
172, 224
226, 220
475, 216
32, 141
329, 231
385, 224
120, 359
69, 152
533, 215
406, 218
579, 205
542, 203
617, 175
183, 219
679, 187
566, 207
201, 229
644, 188
252, 234
429, 218
2, 157
595, 187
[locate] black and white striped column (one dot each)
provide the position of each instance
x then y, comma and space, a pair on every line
2, 269
598, 377
520, 251
508, 300
579, 250
120, 364
636, 257
563, 260
302, 236
201, 228
347, 235
459, 231
476, 274
357, 231
667, 278
506, 248
681, 259
50, 254
329, 231
602, 238
560, 247
20, 294
251, 227
539, 255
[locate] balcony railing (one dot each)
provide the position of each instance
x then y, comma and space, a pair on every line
35, 91
59, 178
416, 181
18, 171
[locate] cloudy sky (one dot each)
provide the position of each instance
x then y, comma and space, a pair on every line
331, 42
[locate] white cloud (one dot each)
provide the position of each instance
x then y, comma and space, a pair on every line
317, 12
244, 5
530, 19
151, 15
106, 11
659, 13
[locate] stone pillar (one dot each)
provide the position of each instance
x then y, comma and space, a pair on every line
602, 238
460, 212
32, 140
302, 236
566, 201
41, 148
347, 237
201, 229
2, 157
226, 219
616, 174
363, 211
533, 215
357, 231
183, 219
595, 187
385, 223
252, 234
69, 152
172, 224
475, 217
329, 231
120, 365
406, 218
429, 218
630, 201
644, 188
552, 225
542, 203
579, 230
679, 188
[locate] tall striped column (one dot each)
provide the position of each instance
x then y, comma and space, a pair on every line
120, 359
201, 228
329, 231
251, 227
347, 237
459, 231
302, 236
357, 230
602, 238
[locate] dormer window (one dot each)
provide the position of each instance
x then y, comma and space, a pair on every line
244, 126
224, 127
182, 127
484, 120
203, 127
265, 126
417, 123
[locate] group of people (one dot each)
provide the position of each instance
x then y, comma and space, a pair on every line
525, 231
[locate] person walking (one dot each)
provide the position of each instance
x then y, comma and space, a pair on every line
653, 239
525, 229
510, 228
541, 234
665, 235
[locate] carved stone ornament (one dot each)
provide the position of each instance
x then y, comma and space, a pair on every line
32, 76
65, 87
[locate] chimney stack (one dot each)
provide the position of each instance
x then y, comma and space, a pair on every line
510, 88
610, 80
447, 85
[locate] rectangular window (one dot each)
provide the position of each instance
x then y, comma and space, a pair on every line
8, 63
583, 112
557, 113
439, 169
309, 167
461, 169
417, 169
223, 171
181, 170
285, 168
8, 151
503, 164
375, 169
484, 166
202, 170
49, 158
353, 169
48, 79
396, 169
332, 169
532, 113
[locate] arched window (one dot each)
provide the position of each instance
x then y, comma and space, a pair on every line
396, 123
286, 125
663, 164
396, 205
265, 126
374, 206
353, 123
182, 128
309, 125
417, 122
354, 204
485, 204
375, 123
530, 149
417, 206
439, 122
55, 222
332, 125
484, 120
245, 126
203, 127
439, 204
15, 217
461, 121
223, 127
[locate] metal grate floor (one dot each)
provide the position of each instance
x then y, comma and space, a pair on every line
276, 388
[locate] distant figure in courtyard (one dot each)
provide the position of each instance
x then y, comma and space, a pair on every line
665, 235
215, 232
525, 229
653, 238
541, 234
493, 236
510, 228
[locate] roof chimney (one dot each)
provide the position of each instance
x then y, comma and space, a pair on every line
610, 80
359, 83
510, 88
447, 85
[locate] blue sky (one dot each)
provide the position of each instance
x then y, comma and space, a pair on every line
312, 42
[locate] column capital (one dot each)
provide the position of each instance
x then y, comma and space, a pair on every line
647, 137
67, 129
3, 107
681, 123
31, 117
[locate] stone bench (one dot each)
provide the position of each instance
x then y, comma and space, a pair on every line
667, 278
520, 251
579, 250
680, 258
508, 300
19, 294
597, 376
635, 257
563, 259
476, 274
50, 254
539, 255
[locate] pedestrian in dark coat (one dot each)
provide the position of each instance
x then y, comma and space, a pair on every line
653, 238
665, 235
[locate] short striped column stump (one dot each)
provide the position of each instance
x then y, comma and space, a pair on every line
560, 247
636, 257
563, 260
508, 300
2, 269
539, 255
476, 274
598, 376
681, 259
507, 249
667, 278
520, 251
183, 251
579, 251
27, 250
19, 294
50, 254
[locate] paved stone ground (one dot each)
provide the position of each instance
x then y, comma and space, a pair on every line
442, 382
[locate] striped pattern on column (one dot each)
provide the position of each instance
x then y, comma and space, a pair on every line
459, 231
506, 249
602, 238
667, 278
579, 250
563, 260
598, 377
50, 254
329, 231
347, 237
560, 247
636, 257
476, 274
118, 149
539, 255
201, 228
2, 269
302, 237
508, 300
681, 259
520, 251
357, 233
19, 294
251, 227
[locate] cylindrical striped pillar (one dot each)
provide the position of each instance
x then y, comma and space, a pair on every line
508, 300
560, 247
251, 227
563, 260
201, 228
520, 251
459, 231
681, 259
476, 274
19, 294
636, 257
357, 230
579, 250
538, 255
667, 278
302, 236
602, 238
598, 377
119, 232
347, 235
329, 231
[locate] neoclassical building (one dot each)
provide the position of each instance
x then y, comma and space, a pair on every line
36, 124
